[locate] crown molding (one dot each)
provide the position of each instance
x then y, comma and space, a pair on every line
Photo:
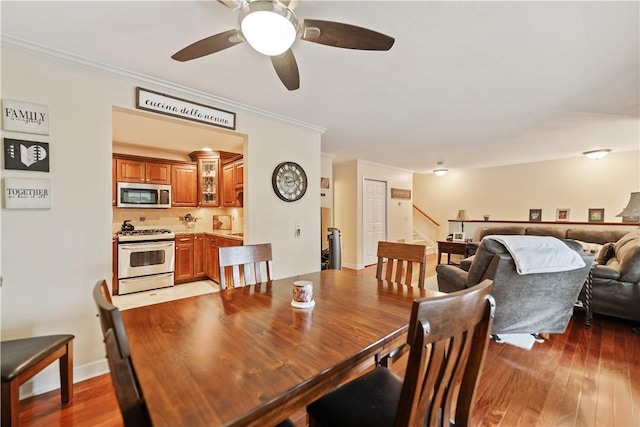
70, 59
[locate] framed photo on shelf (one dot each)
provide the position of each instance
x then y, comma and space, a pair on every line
458, 236
535, 215
596, 215
562, 215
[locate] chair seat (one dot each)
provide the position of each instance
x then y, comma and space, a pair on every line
371, 400
21, 354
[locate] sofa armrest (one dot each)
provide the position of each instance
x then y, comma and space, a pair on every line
602, 272
451, 278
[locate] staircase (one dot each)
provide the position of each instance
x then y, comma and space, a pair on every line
418, 238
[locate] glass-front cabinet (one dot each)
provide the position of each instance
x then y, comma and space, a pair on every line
208, 178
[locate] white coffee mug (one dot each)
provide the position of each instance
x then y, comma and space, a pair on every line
302, 291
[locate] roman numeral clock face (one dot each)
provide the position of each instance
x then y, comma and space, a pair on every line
289, 181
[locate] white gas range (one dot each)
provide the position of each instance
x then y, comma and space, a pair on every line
146, 260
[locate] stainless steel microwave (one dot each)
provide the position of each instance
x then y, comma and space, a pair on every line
132, 195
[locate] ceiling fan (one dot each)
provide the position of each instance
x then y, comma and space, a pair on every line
271, 27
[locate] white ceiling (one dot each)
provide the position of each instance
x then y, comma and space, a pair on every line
472, 84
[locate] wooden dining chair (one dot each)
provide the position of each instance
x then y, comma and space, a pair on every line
396, 262
246, 264
123, 375
448, 336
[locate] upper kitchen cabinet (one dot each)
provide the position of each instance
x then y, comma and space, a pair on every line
232, 184
128, 170
184, 185
208, 177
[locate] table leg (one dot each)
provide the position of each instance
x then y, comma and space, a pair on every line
588, 294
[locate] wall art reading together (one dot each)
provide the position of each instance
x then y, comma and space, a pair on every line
27, 193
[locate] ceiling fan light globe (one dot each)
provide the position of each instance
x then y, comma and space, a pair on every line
440, 172
270, 28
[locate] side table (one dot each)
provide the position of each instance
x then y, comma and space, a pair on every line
448, 247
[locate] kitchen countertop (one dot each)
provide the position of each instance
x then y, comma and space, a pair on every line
229, 234
222, 233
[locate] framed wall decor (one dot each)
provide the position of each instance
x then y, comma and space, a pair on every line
458, 236
26, 155
562, 215
324, 182
25, 117
535, 215
596, 215
399, 193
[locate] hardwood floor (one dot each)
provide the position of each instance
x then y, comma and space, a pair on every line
584, 377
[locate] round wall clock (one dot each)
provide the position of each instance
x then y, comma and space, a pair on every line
289, 181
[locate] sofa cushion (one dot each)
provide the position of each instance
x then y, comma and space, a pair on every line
627, 254
559, 233
595, 236
605, 254
500, 231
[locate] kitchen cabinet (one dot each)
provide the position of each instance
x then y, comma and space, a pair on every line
114, 190
208, 178
114, 266
184, 258
184, 185
189, 262
128, 170
232, 183
198, 255
212, 259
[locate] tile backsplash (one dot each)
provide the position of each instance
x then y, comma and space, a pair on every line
172, 218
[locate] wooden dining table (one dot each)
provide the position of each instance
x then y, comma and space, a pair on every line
246, 356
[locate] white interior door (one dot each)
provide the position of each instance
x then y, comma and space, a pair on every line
374, 213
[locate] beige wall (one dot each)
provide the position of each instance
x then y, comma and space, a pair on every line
508, 192
349, 178
51, 258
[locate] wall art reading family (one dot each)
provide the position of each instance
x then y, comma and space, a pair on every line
25, 117
26, 155
27, 193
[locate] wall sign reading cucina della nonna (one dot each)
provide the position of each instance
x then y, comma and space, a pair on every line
183, 109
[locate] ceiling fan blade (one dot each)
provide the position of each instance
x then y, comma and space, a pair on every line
229, 3
208, 46
344, 35
287, 69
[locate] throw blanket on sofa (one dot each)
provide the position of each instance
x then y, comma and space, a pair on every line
540, 254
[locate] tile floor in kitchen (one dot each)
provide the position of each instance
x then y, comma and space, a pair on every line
154, 296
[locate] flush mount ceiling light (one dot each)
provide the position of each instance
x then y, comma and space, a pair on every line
268, 26
439, 171
596, 154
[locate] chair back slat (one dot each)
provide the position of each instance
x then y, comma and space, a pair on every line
399, 260
446, 357
246, 263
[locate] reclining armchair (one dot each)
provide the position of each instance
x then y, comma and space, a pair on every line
528, 303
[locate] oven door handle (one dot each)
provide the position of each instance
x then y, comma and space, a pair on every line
145, 246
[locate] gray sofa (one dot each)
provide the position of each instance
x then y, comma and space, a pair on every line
530, 303
616, 275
